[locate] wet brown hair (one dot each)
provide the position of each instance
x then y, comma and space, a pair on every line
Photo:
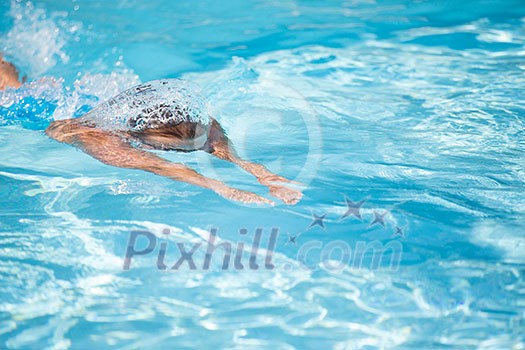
183, 130
151, 129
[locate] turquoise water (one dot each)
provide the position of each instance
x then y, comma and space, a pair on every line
415, 107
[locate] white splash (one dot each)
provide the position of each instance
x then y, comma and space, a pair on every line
35, 40
159, 102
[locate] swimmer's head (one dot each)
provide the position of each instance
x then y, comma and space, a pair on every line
158, 129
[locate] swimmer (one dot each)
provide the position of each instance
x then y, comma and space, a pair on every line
157, 124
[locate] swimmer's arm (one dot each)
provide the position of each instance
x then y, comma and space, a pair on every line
267, 178
220, 146
111, 149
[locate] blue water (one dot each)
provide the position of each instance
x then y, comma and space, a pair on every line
415, 107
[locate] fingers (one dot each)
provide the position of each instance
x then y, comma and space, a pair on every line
287, 195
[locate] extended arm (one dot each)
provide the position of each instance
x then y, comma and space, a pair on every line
112, 149
220, 146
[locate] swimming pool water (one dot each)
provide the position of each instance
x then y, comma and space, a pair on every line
414, 107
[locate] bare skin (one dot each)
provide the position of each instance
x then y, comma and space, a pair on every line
8, 75
116, 149
113, 148
221, 148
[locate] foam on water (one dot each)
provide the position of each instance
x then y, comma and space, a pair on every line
39, 102
35, 41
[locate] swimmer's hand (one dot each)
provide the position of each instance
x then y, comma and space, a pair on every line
276, 185
287, 195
